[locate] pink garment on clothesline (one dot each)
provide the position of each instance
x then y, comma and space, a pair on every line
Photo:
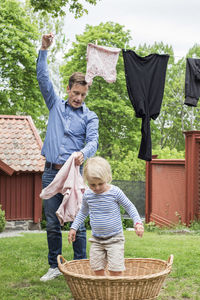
69, 182
101, 61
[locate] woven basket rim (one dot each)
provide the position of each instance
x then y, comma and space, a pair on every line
117, 278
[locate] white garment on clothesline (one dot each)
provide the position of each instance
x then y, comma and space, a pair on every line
101, 61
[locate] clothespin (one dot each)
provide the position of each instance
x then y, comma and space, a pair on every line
96, 42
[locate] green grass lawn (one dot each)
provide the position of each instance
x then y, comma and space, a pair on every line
24, 259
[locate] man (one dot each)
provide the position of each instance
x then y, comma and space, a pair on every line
72, 127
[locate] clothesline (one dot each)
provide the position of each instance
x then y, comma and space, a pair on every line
145, 101
96, 41
175, 56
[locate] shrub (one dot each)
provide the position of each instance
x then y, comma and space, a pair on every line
66, 226
150, 227
195, 225
2, 219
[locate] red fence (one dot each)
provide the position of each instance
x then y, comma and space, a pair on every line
173, 186
165, 191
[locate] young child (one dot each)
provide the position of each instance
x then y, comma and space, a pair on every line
102, 202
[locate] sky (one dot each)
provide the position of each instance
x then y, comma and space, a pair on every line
173, 22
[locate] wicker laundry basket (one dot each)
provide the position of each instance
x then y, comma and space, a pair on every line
142, 279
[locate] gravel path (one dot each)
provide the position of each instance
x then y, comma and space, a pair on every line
11, 233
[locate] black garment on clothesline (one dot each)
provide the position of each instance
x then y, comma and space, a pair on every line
192, 81
145, 79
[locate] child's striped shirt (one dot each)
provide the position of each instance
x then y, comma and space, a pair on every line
104, 211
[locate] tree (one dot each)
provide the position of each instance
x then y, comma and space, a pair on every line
175, 116
21, 31
118, 125
56, 7
46, 24
126, 166
19, 92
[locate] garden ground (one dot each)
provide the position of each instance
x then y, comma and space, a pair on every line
23, 259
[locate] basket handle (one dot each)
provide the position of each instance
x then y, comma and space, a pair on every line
61, 262
170, 261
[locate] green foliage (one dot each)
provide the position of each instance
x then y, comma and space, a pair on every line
19, 34
43, 221
56, 7
175, 117
167, 153
195, 225
179, 228
150, 227
43, 224
45, 24
2, 219
171, 119
127, 223
126, 166
19, 92
87, 223
67, 225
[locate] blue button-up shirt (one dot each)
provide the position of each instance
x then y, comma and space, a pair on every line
69, 130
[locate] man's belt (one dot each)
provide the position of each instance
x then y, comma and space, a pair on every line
53, 166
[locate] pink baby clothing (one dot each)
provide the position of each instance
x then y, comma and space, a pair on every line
101, 61
69, 182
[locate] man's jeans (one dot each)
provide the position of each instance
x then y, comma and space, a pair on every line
53, 227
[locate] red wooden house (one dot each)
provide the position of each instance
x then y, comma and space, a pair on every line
21, 167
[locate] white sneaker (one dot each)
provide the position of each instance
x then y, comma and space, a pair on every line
51, 274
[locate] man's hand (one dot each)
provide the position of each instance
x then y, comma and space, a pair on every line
71, 236
79, 159
139, 229
47, 40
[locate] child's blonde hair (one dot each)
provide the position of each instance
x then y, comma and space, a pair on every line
97, 167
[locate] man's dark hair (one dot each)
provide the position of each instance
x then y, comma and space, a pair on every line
77, 78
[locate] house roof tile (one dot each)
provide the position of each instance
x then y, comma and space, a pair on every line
20, 144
